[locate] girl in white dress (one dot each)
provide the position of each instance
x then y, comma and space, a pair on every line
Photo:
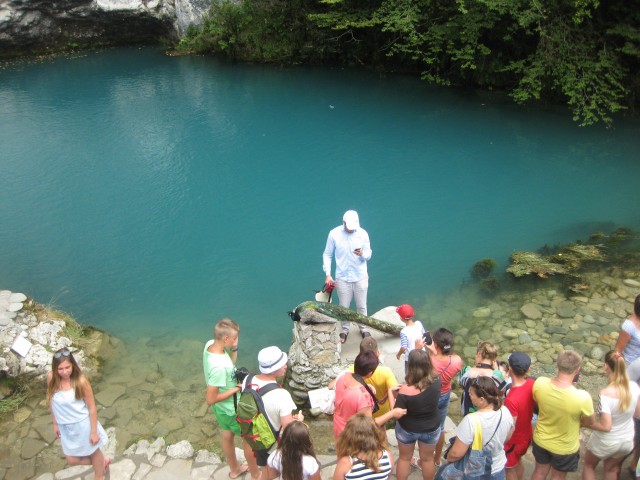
75, 418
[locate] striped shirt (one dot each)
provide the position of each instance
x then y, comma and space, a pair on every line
360, 471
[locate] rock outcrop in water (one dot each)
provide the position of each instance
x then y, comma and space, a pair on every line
28, 26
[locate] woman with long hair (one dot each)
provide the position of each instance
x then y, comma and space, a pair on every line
446, 365
496, 423
75, 418
295, 458
420, 396
612, 439
363, 451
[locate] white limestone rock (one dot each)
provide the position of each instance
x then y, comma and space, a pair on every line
15, 307
17, 297
155, 447
180, 450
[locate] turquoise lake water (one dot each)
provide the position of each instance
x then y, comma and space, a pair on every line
153, 195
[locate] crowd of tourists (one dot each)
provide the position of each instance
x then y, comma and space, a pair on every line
504, 411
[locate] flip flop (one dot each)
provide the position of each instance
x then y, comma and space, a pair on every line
343, 337
243, 469
415, 462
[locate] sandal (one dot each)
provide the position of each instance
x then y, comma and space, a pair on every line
415, 462
343, 337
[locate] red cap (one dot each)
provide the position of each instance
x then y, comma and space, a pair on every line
405, 311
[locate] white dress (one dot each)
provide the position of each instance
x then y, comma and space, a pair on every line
74, 424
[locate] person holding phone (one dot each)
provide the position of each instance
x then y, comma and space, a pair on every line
349, 244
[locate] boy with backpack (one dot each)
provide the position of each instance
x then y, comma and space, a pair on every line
265, 408
219, 357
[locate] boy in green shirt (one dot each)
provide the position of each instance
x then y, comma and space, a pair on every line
218, 360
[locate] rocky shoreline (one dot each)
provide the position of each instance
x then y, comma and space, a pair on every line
146, 397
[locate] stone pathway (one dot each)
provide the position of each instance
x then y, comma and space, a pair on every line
147, 465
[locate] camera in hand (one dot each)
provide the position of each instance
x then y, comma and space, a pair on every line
241, 374
428, 340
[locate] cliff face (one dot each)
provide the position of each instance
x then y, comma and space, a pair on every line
35, 25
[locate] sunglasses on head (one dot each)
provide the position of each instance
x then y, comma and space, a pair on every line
62, 353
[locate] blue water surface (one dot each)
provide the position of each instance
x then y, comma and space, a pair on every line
152, 195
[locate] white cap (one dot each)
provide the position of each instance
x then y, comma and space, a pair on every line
271, 359
351, 220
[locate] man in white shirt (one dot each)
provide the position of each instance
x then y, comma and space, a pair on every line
278, 404
349, 244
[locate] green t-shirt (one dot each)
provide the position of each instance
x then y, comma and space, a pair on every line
218, 372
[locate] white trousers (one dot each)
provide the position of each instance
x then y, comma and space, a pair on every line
357, 291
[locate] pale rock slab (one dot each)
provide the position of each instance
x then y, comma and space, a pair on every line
72, 472
531, 311
122, 470
180, 450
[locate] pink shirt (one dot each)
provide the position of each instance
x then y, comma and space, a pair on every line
446, 368
349, 401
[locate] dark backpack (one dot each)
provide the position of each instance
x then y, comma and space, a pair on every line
255, 426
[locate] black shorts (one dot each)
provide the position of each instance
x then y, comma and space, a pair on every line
561, 463
261, 457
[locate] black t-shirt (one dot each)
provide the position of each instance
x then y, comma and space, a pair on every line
422, 409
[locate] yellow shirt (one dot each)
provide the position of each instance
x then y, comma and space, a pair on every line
381, 380
559, 413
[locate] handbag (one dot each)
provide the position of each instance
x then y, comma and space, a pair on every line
476, 463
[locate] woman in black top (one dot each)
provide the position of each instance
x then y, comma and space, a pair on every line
419, 395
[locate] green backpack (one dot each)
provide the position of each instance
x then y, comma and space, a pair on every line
255, 426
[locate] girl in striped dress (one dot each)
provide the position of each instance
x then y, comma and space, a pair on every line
363, 451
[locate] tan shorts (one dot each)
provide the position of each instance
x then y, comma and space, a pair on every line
606, 446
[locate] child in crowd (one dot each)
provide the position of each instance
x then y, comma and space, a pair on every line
295, 458
520, 403
75, 418
363, 451
410, 334
382, 380
218, 360
486, 366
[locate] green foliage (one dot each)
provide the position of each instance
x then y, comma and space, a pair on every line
482, 268
585, 53
19, 391
577, 51
256, 30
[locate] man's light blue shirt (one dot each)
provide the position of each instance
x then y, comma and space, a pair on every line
340, 244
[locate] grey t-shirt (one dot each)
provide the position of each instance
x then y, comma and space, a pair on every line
489, 422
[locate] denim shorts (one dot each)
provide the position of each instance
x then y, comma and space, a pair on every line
443, 407
409, 438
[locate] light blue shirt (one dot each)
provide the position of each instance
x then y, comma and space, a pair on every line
340, 244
